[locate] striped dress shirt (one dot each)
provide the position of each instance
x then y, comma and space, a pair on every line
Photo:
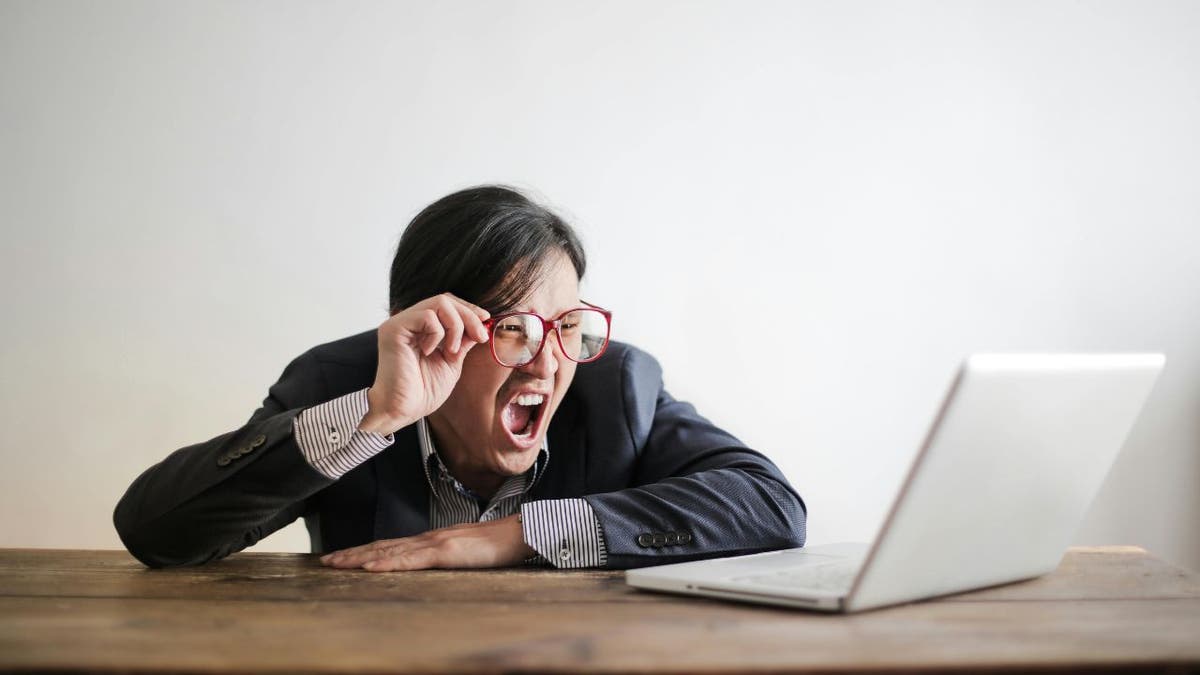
564, 532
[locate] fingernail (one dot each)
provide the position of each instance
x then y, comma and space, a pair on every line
369, 566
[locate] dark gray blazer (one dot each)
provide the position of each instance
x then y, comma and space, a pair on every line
646, 463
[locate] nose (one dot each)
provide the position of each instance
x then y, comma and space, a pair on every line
545, 365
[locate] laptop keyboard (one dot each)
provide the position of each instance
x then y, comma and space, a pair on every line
825, 576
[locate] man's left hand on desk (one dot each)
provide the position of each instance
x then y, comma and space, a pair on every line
497, 543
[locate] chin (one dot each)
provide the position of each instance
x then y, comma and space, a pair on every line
516, 462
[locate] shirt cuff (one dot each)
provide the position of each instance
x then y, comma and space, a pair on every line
565, 532
329, 437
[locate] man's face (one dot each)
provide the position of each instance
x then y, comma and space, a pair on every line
472, 428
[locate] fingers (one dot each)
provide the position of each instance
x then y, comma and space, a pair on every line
447, 321
481, 313
471, 318
431, 331
452, 320
347, 555
416, 552
357, 556
415, 559
495, 543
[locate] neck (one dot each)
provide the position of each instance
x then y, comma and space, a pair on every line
453, 453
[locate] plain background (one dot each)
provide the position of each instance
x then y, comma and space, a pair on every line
810, 212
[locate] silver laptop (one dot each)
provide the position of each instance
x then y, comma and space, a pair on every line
995, 494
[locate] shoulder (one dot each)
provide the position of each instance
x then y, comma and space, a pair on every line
338, 367
622, 366
625, 374
356, 349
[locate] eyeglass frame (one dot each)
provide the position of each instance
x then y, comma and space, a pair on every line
547, 326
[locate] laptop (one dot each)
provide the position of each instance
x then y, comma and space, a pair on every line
995, 494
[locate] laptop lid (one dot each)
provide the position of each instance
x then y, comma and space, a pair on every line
1015, 456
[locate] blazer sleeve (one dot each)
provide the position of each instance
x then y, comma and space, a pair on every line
698, 491
211, 499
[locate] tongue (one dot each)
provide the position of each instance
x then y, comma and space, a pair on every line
516, 417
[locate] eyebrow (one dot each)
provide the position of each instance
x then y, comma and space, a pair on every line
551, 315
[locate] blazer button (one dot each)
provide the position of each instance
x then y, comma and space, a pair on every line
659, 540
672, 538
258, 441
685, 538
645, 540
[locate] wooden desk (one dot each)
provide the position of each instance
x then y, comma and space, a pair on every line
102, 611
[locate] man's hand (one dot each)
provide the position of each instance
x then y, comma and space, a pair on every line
498, 543
421, 351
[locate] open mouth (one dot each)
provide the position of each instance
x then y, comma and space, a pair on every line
522, 417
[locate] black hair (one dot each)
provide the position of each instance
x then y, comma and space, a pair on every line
486, 245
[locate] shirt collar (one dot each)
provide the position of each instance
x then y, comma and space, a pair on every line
436, 470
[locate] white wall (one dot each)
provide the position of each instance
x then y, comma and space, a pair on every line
809, 211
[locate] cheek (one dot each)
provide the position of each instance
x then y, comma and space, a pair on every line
566, 372
562, 379
474, 394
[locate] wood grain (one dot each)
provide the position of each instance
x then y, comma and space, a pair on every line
101, 611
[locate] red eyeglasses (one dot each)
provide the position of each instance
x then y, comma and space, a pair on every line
518, 337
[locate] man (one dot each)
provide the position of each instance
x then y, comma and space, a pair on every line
464, 431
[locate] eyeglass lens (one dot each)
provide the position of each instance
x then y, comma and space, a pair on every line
582, 335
